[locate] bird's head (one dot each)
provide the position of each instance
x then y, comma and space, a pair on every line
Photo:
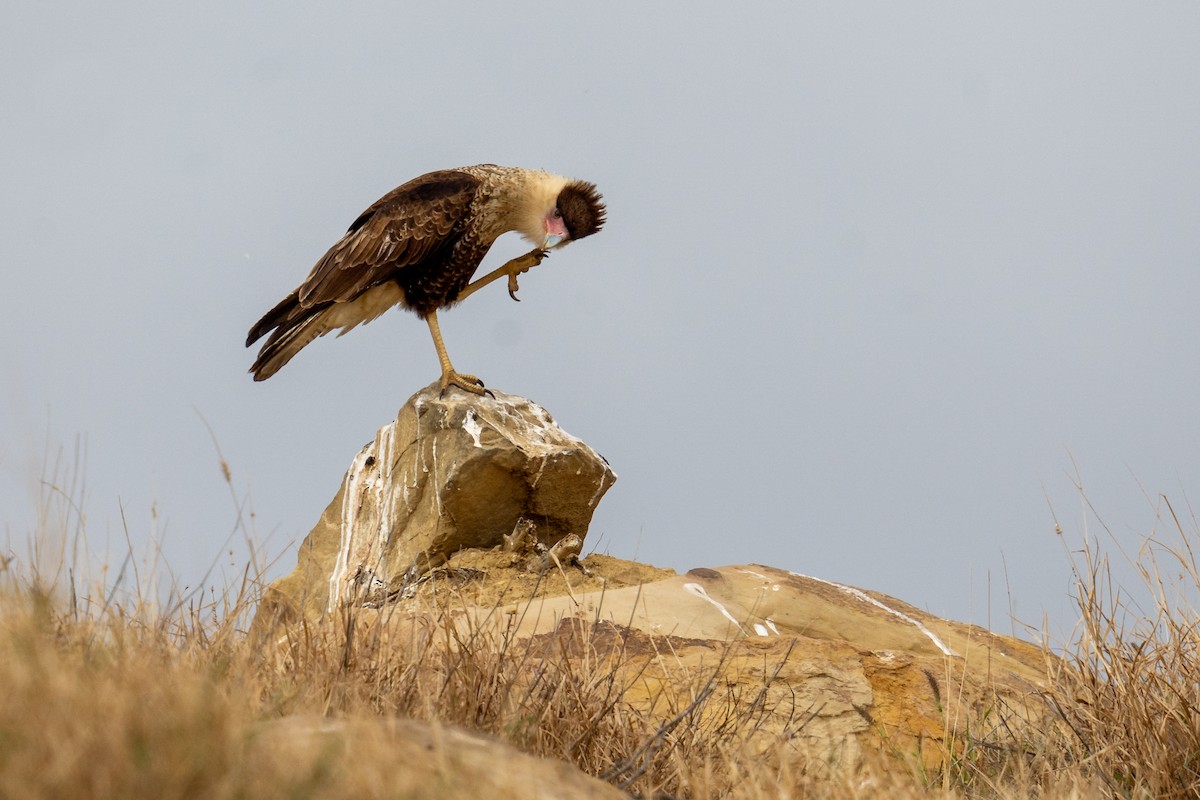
578, 212
562, 211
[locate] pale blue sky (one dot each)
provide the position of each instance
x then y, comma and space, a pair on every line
875, 278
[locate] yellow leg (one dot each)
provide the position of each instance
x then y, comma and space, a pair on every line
468, 383
512, 269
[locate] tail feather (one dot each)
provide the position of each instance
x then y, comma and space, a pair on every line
273, 318
284, 343
291, 327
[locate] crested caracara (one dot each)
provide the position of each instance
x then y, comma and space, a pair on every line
418, 247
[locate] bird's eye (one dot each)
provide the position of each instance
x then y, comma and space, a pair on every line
557, 214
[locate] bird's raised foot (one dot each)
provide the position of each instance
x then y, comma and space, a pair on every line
522, 264
468, 383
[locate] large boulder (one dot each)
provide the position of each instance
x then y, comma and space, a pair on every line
452, 471
837, 671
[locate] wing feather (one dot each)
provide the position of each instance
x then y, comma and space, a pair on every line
404, 227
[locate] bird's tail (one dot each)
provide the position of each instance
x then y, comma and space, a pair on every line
291, 327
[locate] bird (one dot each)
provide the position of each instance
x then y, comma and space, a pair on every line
418, 247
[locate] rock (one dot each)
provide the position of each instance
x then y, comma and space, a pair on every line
452, 472
414, 759
850, 670
837, 671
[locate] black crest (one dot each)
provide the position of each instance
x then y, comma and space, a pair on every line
582, 209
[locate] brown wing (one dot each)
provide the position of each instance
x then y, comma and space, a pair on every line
402, 228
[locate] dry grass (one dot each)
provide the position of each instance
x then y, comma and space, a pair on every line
111, 696
1128, 694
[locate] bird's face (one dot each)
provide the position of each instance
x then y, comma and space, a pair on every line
555, 228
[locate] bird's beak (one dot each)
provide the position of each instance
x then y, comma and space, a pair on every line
555, 229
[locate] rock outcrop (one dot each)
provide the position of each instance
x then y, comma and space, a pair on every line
471, 512
835, 670
450, 472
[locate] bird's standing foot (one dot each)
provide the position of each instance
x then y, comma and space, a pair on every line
468, 383
451, 377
